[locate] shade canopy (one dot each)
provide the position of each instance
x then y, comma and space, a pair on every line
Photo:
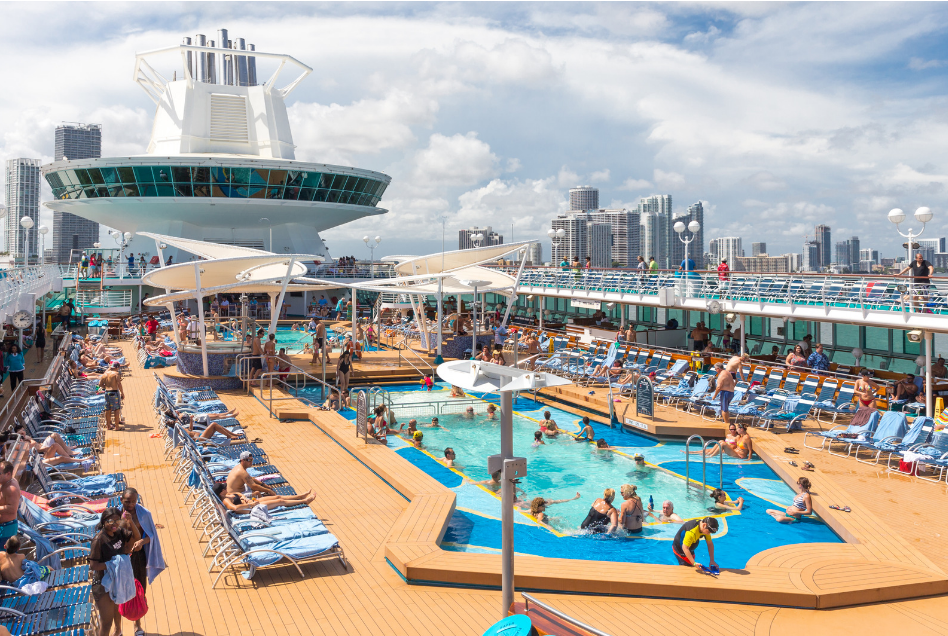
449, 261
477, 375
226, 271
497, 282
235, 288
203, 248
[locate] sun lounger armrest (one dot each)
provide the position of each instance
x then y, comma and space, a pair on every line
77, 547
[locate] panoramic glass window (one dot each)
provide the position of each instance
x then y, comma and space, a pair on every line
217, 181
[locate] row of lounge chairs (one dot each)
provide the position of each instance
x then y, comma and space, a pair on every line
295, 533
61, 540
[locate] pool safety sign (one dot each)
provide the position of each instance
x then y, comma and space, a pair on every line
636, 424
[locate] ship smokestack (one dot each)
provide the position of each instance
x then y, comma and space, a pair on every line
211, 66
223, 59
201, 58
241, 63
190, 58
252, 67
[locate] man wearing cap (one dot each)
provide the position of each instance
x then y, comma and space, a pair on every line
687, 538
239, 480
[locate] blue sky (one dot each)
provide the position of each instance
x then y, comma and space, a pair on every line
778, 116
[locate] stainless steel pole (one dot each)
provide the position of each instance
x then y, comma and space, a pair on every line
928, 374
507, 503
474, 324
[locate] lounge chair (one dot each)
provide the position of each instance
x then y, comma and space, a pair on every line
891, 425
861, 430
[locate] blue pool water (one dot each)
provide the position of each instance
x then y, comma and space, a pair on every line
562, 467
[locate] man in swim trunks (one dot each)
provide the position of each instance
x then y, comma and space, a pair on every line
548, 425
111, 383
724, 387
687, 538
667, 515
9, 502
733, 366
256, 351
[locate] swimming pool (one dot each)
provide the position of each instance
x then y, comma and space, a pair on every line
562, 467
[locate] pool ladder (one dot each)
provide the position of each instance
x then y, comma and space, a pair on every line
704, 461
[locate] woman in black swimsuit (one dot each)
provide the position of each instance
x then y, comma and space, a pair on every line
343, 369
109, 541
602, 516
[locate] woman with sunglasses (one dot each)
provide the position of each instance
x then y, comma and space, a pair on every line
110, 541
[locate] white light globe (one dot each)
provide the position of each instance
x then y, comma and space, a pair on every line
857, 353
923, 214
365, 239
26, 222
560, 233
378, 239
896, 215
551, 233
920, 361
129, 235
97, 245
679, 227
694, 226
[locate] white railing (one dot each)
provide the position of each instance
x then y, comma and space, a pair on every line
18, 281
884, 301
108, 272
96, 299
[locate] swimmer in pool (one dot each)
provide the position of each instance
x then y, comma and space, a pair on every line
412, 427
494, 485
456, 392
632, 512
416, 438
721, 503
548, 425
538, 438
667, 515
802, 505
450, 457
602, 444
587, 434
539, 504
491, 412
469, 413
434, 424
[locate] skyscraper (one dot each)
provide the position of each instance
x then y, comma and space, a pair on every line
584, 198
758, 248
930, 247
728, 247
490, 237
535, 253
854, 253
842, 253
695, 248
600, 244
625, 234
658, 229
824, 247
71, 232
811, 257
575, 244
22, 188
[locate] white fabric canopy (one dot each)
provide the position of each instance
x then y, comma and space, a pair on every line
203, 248
496, 282
235, 288
432, 264
225, 271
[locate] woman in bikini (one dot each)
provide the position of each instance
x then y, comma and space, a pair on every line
539, 504
865, 391
241, 504
796, 359
802, 505
737, 443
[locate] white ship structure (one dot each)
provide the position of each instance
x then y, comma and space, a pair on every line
220, 165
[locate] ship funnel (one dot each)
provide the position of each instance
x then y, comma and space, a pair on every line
211, 65
201, 58
223, 59
241, 63
190, 58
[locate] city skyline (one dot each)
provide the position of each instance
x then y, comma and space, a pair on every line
490, 113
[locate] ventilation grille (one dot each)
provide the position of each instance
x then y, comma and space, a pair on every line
229, 118
251, 243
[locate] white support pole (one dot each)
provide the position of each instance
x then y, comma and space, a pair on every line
540, 305
174, 326
742, 335
474, 323
513, 291
438, 358
200, 306
276, 307
928, 374
507, 502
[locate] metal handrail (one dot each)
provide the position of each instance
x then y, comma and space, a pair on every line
269, 376
420, 359
704, 459
704, 450
53, 369
569, 619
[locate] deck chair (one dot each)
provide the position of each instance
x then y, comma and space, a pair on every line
919, 433
791, 382
891, 425
844, 405
861, 427
793, 412
933, 455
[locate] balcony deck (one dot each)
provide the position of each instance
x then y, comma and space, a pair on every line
375, 521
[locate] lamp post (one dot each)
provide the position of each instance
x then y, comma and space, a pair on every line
923, 215
555, 237
693, 227
439, 358
368, 243
270, 246
43, 231
26, 223
121, 239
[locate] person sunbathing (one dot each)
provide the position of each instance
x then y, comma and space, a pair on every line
211, 427
77, 374
239, 503
53, 446
16, 568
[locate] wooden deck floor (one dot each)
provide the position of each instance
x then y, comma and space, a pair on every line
371, 598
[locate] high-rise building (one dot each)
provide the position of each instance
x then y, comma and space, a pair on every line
22, 189
758, 248
575, 243
657, 234
73, 233
762, 264
825, 247
811, 257
794, 261
535, 253
866, 254
726, 248
626, 234
696, 247
599, 249
842, 253
937, 244
490, 237
853, 252
584, 198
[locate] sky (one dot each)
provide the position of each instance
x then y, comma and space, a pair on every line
777, 116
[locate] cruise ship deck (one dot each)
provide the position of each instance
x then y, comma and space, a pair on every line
366, 495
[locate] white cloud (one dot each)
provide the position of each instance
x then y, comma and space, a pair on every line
918, 64
459, 160
513, 164
567, 178
635, 184
599, 176
765, 181
529, 203
703, 37
668, 180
